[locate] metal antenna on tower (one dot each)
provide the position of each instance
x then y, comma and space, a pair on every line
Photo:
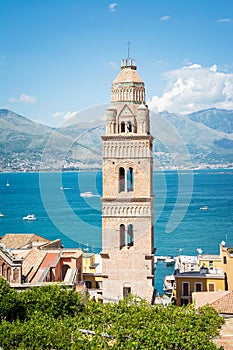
128, 43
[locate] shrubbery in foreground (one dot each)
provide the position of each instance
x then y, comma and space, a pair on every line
54, 317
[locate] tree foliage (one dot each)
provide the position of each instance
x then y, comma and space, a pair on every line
58, 318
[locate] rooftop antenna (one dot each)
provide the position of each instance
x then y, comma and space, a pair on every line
128, 62
128, 44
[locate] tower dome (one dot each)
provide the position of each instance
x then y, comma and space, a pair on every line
128, 86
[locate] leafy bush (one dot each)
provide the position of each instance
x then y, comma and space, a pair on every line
10, 305
57, 318
53, 300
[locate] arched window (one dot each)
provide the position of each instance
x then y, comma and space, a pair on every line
16, 275
126, 292
64, 270
130, 238
122, 236
122, 127
3, 269
129, 127
130, 180
8, 274
121, 179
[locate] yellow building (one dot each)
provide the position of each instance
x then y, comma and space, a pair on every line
210, 261
92, 273
210, 273
226, 255
198, 281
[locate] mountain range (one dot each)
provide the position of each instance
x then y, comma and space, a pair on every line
203, 138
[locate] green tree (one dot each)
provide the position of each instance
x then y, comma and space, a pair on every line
10, 304
58, 318
54, 300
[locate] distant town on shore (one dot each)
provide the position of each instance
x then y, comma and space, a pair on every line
195, 141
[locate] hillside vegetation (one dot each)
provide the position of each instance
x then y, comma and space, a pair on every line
201, 138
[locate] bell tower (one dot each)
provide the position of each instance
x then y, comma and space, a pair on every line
128, 201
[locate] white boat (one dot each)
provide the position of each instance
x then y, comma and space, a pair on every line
204, 208
87, 194
170, 261
7, 183
1, 215
169, 285
30, 217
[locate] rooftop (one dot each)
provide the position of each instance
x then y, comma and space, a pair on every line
21, 240
128, 73
222, 301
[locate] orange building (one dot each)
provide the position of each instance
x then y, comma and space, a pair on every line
28, 259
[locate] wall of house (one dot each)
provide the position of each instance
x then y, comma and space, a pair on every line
206, 284
227, 267
9, 269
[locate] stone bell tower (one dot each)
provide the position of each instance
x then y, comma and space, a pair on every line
128, 201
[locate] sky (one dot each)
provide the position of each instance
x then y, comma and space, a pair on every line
59, 57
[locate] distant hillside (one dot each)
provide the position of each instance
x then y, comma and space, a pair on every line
218, 119
201, 138
28, 145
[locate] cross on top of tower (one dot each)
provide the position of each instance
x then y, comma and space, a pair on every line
128, 62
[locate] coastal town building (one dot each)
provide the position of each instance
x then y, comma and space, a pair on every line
128, 201
226, 254
30, 260
92, 274
208, 274
210, 280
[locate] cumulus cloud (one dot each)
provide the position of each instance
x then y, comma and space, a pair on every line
165, 18
23, 98
192, 88
112, 7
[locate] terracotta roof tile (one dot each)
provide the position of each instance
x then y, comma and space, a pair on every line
20, 240
224, 305
32, 263
76, 253
222, 301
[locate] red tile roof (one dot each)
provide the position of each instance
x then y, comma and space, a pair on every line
222, 301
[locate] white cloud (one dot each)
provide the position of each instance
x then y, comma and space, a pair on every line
65, 115
23, 98
192, 88
58, 115
222, 20
112, 7
186, 62
113, 64
165, 18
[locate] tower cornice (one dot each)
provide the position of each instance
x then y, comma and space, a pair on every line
127, 137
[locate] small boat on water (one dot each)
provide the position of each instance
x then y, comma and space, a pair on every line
169, 285
170, 261
86, 194
7, 183
204, 208
30, 217
1, 215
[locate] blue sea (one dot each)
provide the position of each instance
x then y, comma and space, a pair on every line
63, 211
